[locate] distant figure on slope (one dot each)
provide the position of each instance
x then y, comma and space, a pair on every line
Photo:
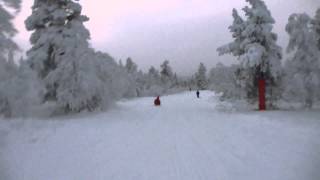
157, 101
198, 94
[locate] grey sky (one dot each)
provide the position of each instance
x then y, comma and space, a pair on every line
186, 32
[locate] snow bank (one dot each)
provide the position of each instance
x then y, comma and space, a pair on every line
184, 139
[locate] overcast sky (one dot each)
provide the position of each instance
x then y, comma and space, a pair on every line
186, 32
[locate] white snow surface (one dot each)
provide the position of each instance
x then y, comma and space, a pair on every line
184, 139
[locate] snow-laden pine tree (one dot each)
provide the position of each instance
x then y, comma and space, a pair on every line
316, 26
153, 76
166, 73
316, 29
7, 30
201, 77
152, 82
303, 69
131, 69
115, 79
235, 48
222, 80
7, 45
21, 94
77, 84
8, 69
61, 56
19, 87
255, 45
141, 82
131, 66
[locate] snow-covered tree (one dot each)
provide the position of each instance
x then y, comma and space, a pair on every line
153, 76
316, 26
77, 85
316, 29
7, 30
222, 79
151, 82
154, 73
115, 79
7, 45
166, 73
25, 92
131, 70
8, 69
201, 77
21, 93
255, 46
19, 87
235, 48
303, 69
131, 66
57, 29
142, 83
61, 56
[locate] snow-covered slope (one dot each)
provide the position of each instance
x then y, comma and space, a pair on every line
184, 139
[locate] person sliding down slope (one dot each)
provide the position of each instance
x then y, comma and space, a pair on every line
157, 101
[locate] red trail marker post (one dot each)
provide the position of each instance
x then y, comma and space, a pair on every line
262, 94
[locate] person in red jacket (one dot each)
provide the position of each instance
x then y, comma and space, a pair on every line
157, 101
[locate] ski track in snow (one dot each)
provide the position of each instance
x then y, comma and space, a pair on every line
184, 139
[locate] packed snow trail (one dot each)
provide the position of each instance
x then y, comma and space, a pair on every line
184, 139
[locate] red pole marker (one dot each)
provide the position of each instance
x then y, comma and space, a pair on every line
262, 94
